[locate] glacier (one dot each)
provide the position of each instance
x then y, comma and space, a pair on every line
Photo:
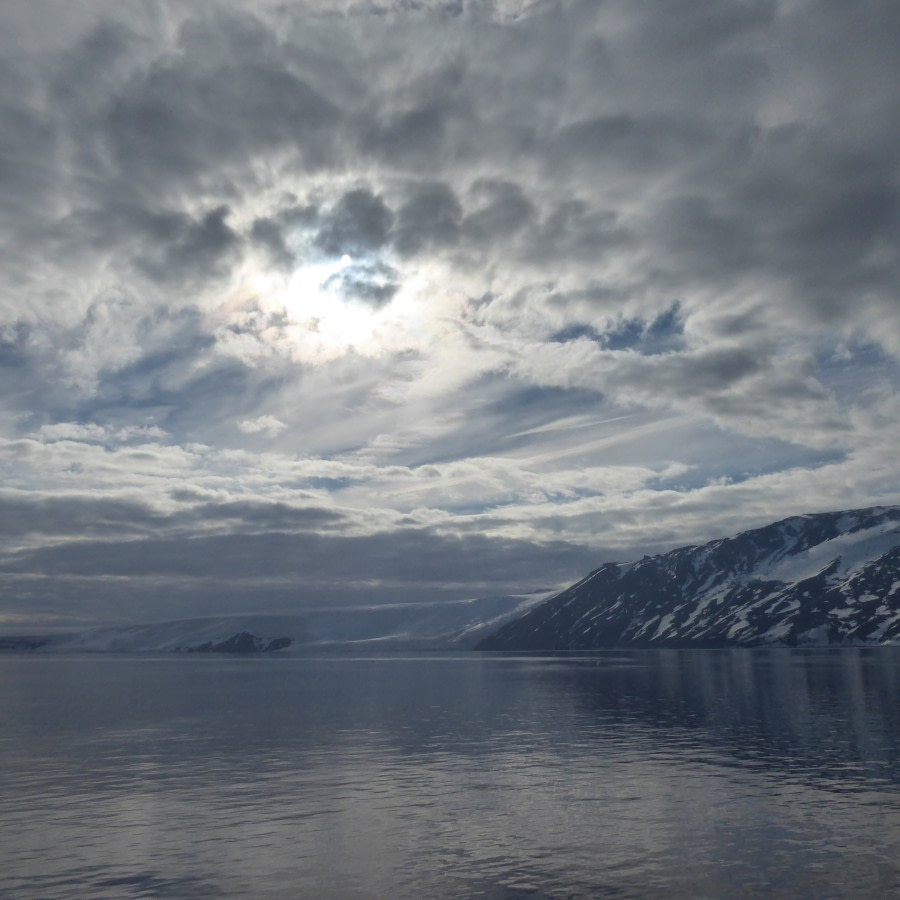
427, 625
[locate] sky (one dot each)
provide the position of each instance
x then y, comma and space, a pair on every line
312, 304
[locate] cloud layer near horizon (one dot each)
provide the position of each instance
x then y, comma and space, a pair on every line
348, 303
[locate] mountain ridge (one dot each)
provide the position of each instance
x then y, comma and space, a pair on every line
814, 579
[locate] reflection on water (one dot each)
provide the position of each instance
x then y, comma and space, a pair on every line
657, 773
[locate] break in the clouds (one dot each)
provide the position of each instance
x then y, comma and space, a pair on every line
351, 302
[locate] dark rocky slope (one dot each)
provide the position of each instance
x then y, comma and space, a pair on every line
243, 642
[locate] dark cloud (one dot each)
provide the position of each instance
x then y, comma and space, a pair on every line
792, 204
628, 145
268, 234
79, 517
265, 516
428, 120
23, 516
89, 71
358, 224
407, 558
713, 371
576, 231
190, 248
429, 219
227, 94
276, 232
371, 283
502, 210
410, 137
29, 143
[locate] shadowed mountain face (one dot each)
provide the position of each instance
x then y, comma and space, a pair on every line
829, 578
22, 642
243, 642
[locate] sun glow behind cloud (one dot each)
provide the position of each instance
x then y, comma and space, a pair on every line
322, 318
322, 323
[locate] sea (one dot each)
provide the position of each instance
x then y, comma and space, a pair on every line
663, 773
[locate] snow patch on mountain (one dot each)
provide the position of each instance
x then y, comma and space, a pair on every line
850, 550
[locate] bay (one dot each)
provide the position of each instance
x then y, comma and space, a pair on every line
734, 773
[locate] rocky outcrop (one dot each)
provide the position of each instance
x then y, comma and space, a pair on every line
242, 642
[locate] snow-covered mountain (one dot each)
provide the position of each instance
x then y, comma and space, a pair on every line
434, 625
828, 578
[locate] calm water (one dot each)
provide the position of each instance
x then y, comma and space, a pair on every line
646, 774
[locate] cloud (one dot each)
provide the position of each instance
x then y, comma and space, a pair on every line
92, 433
191, 247
267, 425
428, 560
503, 210
662, 334
160, 128
371, 283
614, 277
359, 223
429, 219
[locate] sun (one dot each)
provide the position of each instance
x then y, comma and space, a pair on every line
317, 320
322, 321
319, 311
311, 301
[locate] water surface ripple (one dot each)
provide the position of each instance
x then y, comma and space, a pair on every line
770, 773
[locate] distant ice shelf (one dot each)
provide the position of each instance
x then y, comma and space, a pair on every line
431, 625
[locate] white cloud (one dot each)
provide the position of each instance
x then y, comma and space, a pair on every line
267, 425
90, 432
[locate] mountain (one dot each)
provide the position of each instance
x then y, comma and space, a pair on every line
822, 579
400, 626
243, 642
